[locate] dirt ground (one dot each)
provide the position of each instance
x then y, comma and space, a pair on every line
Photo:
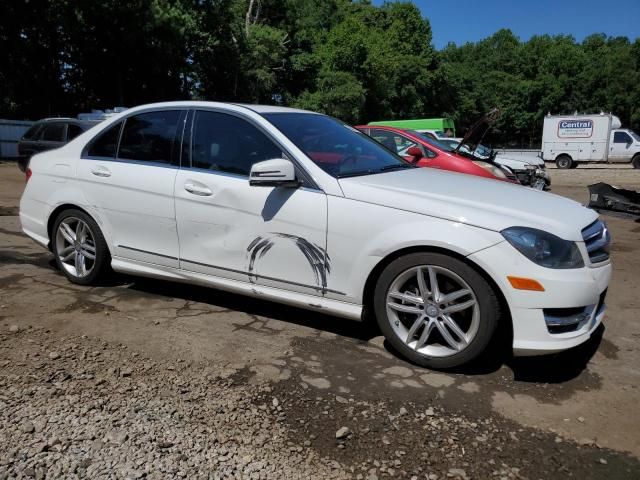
299, 376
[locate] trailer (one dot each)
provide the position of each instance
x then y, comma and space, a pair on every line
438, 127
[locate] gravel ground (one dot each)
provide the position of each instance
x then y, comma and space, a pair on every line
145, 379
73, 407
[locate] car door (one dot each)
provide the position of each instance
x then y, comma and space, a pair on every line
129, 172
620, 148
271, 236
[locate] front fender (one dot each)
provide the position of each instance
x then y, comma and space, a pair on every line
361, 235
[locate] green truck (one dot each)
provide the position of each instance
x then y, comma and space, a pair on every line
440, 127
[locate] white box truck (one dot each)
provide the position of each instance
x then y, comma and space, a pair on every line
570, 140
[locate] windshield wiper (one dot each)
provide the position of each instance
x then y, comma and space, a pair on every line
356, 174
396, 167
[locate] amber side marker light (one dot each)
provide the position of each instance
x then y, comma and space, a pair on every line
521, 283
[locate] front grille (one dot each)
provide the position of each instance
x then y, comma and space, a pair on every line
597, 239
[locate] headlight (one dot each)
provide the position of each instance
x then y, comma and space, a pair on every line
543, 248
495, 171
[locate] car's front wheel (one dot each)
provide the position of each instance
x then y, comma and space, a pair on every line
79, 247
435, 310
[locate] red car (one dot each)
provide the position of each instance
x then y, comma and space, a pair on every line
426, 152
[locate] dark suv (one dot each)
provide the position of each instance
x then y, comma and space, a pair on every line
48, 134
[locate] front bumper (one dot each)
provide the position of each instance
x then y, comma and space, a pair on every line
534, 177
575, 298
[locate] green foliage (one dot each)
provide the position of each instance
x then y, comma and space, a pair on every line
339, 94
348, 58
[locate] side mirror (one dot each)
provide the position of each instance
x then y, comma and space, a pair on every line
415, 152
278, 172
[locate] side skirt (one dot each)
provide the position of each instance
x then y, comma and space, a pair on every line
301, 300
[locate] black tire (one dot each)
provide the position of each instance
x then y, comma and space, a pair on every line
564, 162
636, 161
574, 165
102, 263
484, 294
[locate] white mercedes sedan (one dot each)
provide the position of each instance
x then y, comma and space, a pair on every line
297, 207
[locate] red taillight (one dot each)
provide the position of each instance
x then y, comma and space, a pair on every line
27, 174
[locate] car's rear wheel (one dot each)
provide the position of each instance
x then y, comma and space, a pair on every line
435, 310
564, 161
79, 247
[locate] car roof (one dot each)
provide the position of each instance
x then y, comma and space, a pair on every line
195, 103
66, 120
58, 119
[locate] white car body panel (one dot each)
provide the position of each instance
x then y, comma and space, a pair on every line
137, 203
518, 163
357, 243
351, 224
472, 201
249, 233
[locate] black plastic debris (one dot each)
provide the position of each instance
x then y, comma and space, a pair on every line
603, 196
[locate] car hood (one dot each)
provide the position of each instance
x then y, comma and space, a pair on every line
520, 160
471, 200
478, 130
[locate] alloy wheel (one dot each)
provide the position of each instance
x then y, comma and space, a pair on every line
75, 247
433, 310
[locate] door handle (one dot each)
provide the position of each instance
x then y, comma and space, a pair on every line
200, 190
101, 172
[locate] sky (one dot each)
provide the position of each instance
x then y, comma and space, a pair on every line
461, 21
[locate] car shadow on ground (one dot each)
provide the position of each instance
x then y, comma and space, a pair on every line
252, 306
552, 369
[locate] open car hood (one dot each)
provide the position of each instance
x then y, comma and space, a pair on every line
476, 133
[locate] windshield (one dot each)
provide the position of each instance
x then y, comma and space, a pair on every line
484, 151
436, 143
340, 150
635, 135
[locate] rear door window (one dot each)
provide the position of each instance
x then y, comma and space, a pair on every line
105, 145
54, 132
150, 137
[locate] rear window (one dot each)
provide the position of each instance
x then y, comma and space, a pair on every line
33, 133
53, 132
